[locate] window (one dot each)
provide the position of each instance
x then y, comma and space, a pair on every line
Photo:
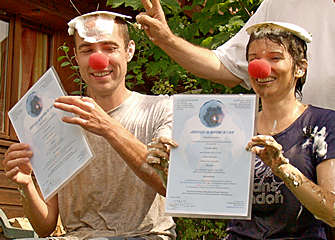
24, 57
33, 58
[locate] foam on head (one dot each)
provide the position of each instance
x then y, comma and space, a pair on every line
95, 26
277, 27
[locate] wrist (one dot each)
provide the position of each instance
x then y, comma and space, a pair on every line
290, 175
23, 187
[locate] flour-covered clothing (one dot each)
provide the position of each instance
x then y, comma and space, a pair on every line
318, 18
106, 198
276, 213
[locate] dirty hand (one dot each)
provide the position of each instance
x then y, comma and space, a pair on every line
17, 165
153, 21
158, 155
268, 150
88, 114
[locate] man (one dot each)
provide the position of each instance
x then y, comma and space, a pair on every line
117, 193
228, 65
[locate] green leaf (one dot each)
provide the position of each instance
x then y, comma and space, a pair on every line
207, 42
60, 58
75, 93
75, 68
64, 64
172, 4
64, 48
115, 3
135, 4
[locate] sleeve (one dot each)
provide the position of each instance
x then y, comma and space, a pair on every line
232, 53
165, 115
324, 138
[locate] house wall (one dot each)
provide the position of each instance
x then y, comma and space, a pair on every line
10, 199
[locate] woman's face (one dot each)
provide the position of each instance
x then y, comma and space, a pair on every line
281, 82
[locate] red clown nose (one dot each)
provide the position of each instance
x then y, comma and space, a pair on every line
98, 61
259, 68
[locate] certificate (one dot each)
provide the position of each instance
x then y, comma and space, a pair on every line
210, 172
59, 149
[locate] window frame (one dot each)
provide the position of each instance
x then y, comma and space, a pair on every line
16, 24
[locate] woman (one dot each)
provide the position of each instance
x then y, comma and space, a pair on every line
294, 146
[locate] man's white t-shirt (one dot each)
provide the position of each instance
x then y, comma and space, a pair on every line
318, 18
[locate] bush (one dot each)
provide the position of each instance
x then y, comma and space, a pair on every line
206, 23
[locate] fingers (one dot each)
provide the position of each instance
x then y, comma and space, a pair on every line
75, 104
17, 151
156, 4
147, 4
155, 155
81, 106
75, 120
165, 140
159, 151
145, 21
17, 159
263, 141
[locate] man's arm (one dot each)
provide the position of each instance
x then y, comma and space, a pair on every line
200, 61
94, 119
42, 215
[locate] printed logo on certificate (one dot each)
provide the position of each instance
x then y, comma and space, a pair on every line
60, 150
210, 172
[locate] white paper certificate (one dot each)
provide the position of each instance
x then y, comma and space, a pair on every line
210, 172
59, 149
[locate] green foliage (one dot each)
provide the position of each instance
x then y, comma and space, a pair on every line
152, 71
197, 229
68, 61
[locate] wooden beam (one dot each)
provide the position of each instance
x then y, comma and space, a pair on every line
5, 182
10, 197
12, 211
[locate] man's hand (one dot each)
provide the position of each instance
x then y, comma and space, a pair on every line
154, 22
88, 114
17, 163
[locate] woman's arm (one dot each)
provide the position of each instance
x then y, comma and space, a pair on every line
318, 198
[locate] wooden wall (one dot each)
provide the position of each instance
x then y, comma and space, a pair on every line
10, 199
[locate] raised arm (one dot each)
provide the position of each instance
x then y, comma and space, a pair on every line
42, 215
318, 198
199, 61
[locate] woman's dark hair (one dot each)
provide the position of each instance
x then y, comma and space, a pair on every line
296, 47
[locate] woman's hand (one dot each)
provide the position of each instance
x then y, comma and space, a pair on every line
159, 154
269, 151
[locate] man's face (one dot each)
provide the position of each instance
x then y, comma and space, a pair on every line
112, 78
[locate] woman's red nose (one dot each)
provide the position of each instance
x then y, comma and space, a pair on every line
259, 68
98, 61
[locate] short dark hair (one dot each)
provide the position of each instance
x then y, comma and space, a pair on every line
124, 30
296, 47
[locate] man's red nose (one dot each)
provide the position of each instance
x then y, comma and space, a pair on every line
98, 61
259, 68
